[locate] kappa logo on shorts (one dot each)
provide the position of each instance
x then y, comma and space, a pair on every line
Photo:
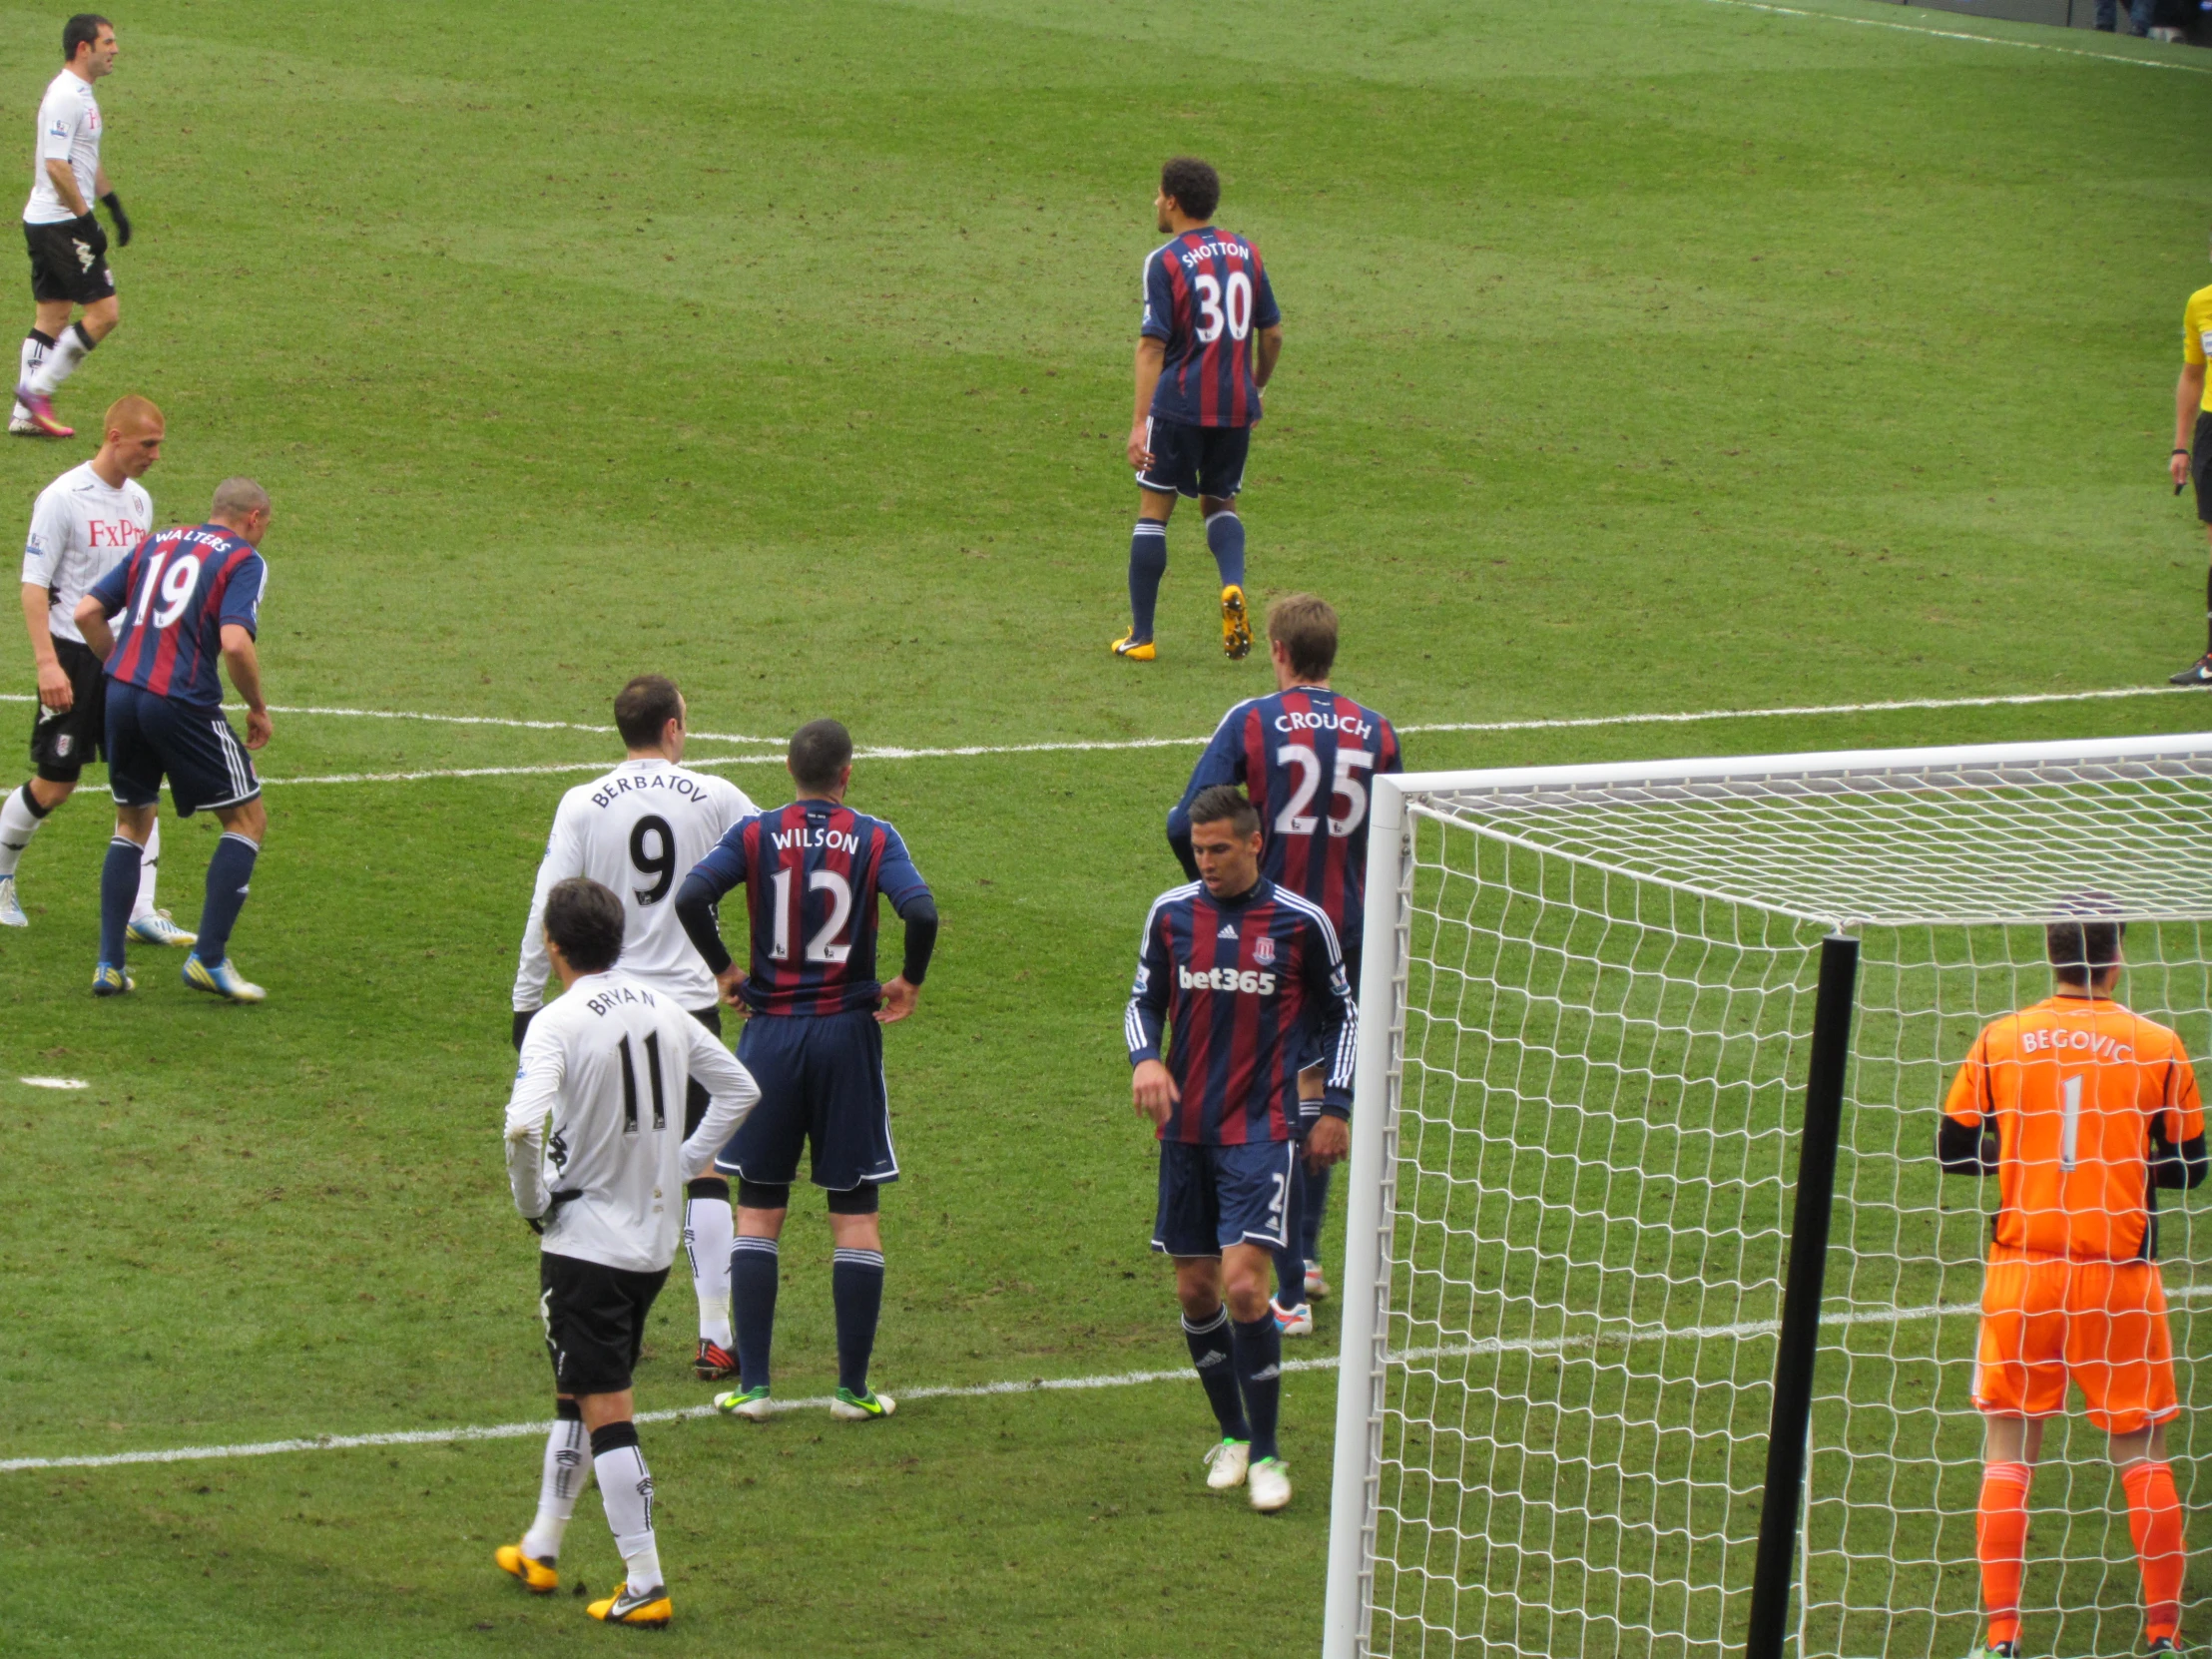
85, 255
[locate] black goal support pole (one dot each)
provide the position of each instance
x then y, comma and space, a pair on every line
1801, 1297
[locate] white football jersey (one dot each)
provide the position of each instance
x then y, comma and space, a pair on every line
81, 529
68, 131
637, 830
598, 1112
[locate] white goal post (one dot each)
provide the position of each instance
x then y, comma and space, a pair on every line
1628, 1032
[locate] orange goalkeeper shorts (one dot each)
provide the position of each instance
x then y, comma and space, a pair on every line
2102, 1324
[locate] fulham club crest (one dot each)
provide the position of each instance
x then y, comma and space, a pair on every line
1263, 950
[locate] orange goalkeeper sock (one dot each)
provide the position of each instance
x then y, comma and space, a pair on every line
2154, 1518
2000, 1539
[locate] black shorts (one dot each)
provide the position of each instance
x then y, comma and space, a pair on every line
62, 743
152, 737
696, 1098
1196, 460
594, 1321
2200, 464
822, 1088
69, 260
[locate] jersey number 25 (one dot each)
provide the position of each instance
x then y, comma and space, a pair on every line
1293, 820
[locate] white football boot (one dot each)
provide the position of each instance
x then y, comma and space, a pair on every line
1268, 1483
1226, 1462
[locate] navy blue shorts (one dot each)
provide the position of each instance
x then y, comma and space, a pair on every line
1212, 1197
150, 738
1195, 460
822, 1087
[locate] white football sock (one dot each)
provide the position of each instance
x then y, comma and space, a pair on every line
148, 860
18, 824
567, 1472
707, 1236
62, 362
626, 1490
34, 354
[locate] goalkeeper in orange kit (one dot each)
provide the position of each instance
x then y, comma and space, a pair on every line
2083, 1111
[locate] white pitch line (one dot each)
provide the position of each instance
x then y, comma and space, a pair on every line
55, 1082
1089, 746
441, 720
1032, 1385
1961, 34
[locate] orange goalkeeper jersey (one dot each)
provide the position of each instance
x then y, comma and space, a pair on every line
2076, 1086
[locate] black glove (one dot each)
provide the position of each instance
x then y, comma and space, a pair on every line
523, 1017
537, 1223
113, 203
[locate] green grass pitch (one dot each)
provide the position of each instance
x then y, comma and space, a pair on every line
1642, 356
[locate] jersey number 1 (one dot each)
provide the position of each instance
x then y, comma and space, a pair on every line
2069, 1121
630, 1084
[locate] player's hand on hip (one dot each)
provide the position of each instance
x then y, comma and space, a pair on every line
1152, 1089
899, 1001
2177, 468
258, 729
1328, 1142
727, 981
1140, 453
54, 689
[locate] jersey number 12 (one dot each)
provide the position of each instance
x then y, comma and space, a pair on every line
824, 946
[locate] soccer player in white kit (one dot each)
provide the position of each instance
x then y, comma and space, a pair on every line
69, 250
86, 522
595, 1159
637, 831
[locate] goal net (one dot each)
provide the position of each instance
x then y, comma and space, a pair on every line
1586, 1017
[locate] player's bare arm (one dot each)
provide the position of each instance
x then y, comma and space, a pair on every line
2188, 398
244, 666
54, 690
1267, 348
92, 621
1152, 355
65, 186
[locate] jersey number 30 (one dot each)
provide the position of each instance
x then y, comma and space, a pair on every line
1214, 314
825, 945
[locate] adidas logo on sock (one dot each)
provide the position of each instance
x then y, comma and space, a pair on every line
1213, 1358
1267, 1374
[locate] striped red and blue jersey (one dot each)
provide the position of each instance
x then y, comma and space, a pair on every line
169, 603
811, 871
1239, 982
1304, 756
1204, 293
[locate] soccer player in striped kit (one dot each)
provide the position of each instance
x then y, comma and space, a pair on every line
2083, 1111
1245, 974
182, 601
1209, 338
1306, 754
813, 1038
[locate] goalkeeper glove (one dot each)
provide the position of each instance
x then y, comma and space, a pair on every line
113, 203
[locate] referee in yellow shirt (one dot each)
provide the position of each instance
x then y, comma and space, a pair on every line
2192, 456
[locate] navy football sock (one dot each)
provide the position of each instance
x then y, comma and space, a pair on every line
1290, 1266
1313, 1200
1209, 1344
752, 1267
230, 870
1225, 535
1258, 1353
856, 1291
1148, 563
118, 886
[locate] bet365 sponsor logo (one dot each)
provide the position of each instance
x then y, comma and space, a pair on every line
1227, 979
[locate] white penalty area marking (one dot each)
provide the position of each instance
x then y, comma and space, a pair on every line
1962, 34
55, 1082
1093, 746
1031, 1385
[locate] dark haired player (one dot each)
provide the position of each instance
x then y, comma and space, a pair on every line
1210, 336
594, 1154
811, 871
637, 830
1243, 971
1306, 754
69, 250
2083, 1111
182, 600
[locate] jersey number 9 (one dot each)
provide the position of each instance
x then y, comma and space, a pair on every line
659, 864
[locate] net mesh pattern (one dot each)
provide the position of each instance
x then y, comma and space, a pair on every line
1607, 1002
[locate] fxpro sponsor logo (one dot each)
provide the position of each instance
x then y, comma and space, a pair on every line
1227, 979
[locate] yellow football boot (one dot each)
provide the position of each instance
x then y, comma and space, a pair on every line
648, 1610
538, 1577
1236, 626
1131, 648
